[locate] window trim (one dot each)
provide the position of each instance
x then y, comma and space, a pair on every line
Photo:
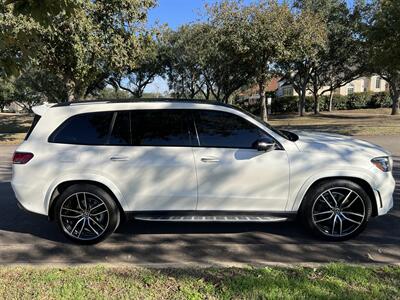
194, 142
280, 147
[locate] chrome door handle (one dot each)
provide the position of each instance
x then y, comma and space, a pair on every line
119, 158
209, 160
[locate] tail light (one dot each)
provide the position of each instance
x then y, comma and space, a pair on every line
21, 158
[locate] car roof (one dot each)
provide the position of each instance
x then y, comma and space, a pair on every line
144, 100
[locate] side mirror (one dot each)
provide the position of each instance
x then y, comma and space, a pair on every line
264, 145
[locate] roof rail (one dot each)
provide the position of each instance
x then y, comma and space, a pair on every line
142, 100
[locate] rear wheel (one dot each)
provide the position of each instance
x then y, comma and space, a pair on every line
86, 214
336, 210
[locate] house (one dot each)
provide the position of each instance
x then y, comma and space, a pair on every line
373, 84
251, 95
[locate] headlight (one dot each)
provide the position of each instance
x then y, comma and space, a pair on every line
383, 163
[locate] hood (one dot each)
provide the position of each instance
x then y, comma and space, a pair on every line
336, 143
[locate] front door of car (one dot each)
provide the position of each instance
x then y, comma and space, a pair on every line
232, 174
151, 160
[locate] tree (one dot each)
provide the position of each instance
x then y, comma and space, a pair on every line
35, 86
266, 35
6, 90
85, 46
307, 38
226, 52
383, 46
340, 61
134, 79
182, 52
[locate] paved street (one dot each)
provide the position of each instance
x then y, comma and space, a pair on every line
30, 239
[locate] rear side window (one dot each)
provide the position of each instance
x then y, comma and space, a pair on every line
84, 129
33, 125
220, 129
161, 127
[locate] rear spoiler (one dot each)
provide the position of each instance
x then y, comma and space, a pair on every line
41, 109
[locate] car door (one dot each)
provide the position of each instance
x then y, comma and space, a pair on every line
232, 175
151, 160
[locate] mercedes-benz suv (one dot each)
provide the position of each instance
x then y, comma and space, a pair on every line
87, 165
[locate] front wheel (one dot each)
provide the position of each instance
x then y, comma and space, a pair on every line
86, 214
336, 210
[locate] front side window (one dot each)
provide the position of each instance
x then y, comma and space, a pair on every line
84, 129
225, 130
166, 127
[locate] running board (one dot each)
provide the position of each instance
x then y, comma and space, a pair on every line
219, 218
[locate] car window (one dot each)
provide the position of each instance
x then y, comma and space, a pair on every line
121, 133
84, 129
225, 130
165, 127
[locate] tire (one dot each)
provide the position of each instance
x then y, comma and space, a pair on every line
336, 210
90, 224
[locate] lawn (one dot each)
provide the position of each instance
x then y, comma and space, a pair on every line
335, 281
13, 127
348, 122
352, 122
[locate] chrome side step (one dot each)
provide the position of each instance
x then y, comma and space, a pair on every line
208, 218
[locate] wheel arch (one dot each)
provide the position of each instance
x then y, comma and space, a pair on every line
360, 181
61, 186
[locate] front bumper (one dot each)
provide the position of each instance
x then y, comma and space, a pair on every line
384, 195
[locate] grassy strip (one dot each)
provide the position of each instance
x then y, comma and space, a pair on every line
335, 281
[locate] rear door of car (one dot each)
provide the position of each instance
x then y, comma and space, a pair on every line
151, 159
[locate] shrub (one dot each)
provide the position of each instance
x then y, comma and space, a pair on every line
354, 101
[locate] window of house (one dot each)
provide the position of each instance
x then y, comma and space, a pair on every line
378, 83
350, 89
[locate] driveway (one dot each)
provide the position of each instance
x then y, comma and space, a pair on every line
25, 238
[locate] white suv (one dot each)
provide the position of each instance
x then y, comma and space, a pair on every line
87, 165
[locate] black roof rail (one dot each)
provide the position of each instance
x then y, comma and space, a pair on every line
144, 100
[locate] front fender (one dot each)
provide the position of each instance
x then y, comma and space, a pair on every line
298, 196
84, 177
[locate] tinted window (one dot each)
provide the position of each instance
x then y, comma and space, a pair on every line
121, 133
160, 128
221, 129
84, 129
33, 125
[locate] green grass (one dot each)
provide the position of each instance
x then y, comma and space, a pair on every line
349, 122
335, 281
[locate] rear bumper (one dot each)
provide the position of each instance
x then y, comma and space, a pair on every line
29, 198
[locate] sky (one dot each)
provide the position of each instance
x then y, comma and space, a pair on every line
176, 13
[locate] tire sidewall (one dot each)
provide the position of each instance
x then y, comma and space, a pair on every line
113, 211
313, 194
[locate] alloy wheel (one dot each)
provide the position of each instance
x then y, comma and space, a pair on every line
84, 216
338, 212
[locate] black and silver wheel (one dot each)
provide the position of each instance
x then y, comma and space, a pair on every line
86, 214
336, 210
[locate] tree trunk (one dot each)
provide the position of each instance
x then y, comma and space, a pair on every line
316, 104
263, 102
70, 87
330, 100
395, 105
302, 101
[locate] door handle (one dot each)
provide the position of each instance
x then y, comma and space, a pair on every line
119, 158
209, 160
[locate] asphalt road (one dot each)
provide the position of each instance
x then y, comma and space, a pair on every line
26, 238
